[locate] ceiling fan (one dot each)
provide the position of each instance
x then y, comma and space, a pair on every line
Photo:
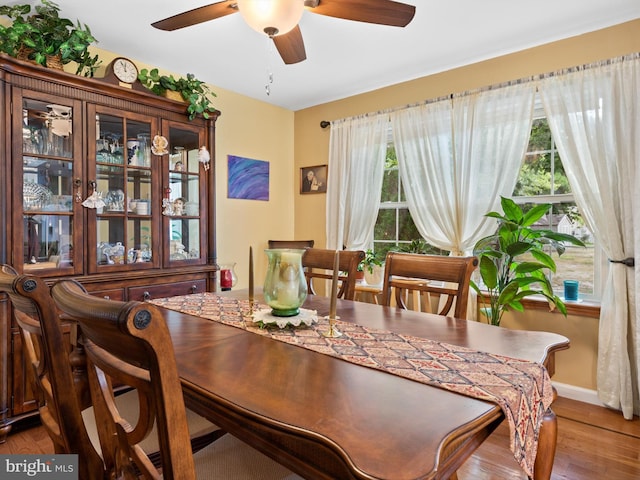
283, 27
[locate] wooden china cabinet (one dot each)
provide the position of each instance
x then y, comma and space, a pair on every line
103, 184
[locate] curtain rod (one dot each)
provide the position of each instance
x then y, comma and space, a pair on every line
533, 78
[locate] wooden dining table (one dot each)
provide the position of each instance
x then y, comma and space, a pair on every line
327, 418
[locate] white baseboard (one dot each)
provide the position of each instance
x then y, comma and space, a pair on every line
578, 393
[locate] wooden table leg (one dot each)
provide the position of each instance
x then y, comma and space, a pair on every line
546, 446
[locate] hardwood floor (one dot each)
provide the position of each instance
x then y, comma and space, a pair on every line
593, 443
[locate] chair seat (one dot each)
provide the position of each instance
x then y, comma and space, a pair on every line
128, 405
229, 458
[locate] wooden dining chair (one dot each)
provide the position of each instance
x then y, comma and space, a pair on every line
61, 393
318, 264
50, 372
291, 243
129, 343
444, 280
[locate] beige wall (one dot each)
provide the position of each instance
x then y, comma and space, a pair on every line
577, 365
253, 129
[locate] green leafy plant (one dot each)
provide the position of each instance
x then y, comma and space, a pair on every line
420, 246
43, 35
195, 92
370, 260
507, 275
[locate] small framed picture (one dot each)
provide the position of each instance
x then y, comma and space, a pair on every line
313, 179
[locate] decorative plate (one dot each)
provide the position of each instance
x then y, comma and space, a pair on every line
264, 318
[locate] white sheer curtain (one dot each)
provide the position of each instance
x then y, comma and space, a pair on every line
594, 115
357, 149
456, 157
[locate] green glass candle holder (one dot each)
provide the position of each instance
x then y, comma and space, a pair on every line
285, 286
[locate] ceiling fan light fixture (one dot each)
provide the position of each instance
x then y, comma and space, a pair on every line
271, 17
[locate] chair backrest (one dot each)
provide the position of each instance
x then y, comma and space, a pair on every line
50, 369
129, 343
317, 261
291, 243
446, 277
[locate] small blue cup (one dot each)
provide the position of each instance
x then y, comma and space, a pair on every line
571, 290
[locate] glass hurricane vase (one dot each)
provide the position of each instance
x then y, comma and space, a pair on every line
285, 286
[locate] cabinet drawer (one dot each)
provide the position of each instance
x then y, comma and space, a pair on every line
167, 290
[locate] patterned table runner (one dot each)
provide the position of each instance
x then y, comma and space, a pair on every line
521, 388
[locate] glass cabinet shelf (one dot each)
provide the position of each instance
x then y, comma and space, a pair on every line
47, 185
182, 195
124, 182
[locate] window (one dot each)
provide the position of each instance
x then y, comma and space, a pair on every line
394, 225
394, 229
542, 179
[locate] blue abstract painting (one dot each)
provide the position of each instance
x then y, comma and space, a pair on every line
248, 179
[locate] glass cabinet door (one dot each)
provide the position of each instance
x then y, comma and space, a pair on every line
182, 206
50, 178
123, 191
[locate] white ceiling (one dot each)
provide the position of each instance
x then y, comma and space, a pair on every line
343, 57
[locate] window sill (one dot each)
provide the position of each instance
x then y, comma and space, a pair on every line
584, 308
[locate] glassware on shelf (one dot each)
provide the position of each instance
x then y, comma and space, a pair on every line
191, 209
133, 146
47, 129
114, 200
144, 150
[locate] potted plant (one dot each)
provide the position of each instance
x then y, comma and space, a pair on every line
193, 91
371, 268
419, 245
513, 262
46, 38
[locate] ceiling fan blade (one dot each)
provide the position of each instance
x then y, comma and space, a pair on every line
197, 15
381, 12
291, 46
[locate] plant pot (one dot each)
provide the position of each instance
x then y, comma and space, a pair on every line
53, 61
374, 277
172, 95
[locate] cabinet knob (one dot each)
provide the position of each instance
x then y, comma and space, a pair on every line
146, 296
194, 288
107, 297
